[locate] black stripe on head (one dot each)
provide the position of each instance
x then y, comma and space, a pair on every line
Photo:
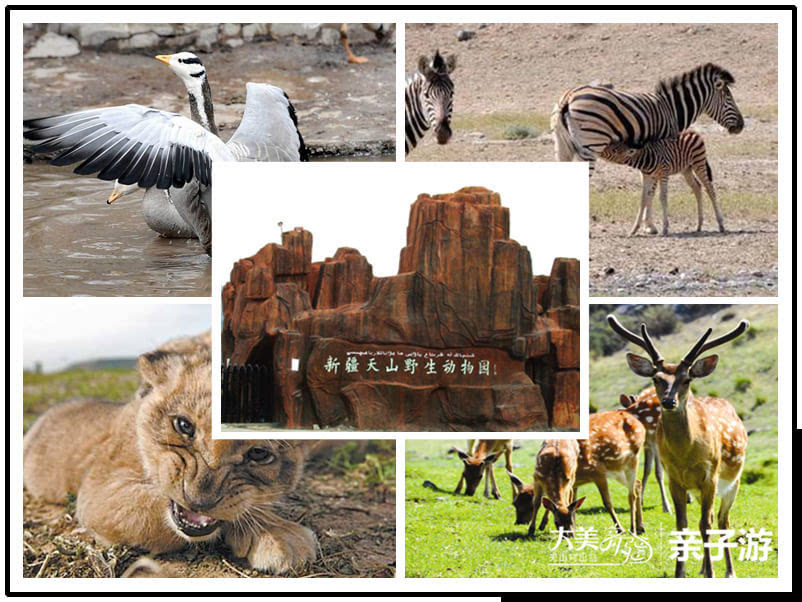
199, 74
191, 61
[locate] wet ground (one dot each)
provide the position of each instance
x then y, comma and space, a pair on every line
74, 244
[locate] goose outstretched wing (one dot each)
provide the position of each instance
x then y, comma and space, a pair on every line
269, 128
131, 144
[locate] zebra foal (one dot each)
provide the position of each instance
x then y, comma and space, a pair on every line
429, 100
659, 159
587, 119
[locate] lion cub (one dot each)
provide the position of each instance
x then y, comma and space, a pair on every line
148, 473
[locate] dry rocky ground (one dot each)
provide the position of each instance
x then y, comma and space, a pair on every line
507, 80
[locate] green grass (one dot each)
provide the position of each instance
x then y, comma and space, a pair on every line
40, 391
503, 126
457, 536
451, 535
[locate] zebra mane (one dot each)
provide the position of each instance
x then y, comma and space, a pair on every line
438, 63
709, 69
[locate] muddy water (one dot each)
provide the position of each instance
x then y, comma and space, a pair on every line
75, 244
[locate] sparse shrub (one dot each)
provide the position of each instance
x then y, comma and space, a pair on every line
753, 476
712, 393
742, 383
592, 409
519, 132
660, 319
759, 401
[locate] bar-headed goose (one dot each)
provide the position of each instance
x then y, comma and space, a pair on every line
140, 145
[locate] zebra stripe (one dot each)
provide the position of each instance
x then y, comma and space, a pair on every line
659, 159
428, 100
588, 118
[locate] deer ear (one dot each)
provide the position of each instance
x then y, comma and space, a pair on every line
704, 367
641, 366
576, 504
462, 455
490, 458
549, 505
516, 482
626, 400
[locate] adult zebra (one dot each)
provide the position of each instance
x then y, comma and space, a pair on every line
429, 100
588, 118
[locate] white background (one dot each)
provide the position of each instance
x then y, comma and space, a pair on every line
366, 206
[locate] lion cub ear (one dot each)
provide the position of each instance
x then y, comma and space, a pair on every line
159, 367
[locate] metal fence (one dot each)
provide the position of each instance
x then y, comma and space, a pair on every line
247, 394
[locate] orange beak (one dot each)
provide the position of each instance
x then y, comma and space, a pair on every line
113, 197
164, 58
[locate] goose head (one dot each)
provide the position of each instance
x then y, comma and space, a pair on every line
185, 65
121, 190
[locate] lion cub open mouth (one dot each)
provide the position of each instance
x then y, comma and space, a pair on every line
192, 524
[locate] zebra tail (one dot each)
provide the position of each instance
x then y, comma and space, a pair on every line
564, 147
709, 170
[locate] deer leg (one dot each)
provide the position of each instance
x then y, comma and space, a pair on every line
658, 474
461, 481
648, 459
724, 521
536, 503
601, 485
508, 459
664, 203
693, 182
490, 476
635, 498
680, 498
708, 498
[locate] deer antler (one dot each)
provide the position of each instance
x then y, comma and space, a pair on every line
644, 341
701, 346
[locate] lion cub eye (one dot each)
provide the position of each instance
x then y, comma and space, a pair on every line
260, 454
183, 426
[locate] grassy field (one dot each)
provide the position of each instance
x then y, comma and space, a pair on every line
451, 535
40, 391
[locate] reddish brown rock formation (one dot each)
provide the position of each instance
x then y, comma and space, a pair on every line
463, 338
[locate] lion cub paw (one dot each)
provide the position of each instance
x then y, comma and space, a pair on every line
281, 550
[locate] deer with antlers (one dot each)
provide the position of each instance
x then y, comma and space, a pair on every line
479, 463
610, 452
646, 408
701, 440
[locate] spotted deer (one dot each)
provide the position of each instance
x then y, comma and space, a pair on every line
479, 463
646, 408
701, 440
611, 451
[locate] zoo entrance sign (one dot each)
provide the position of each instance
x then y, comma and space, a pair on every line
344, 361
